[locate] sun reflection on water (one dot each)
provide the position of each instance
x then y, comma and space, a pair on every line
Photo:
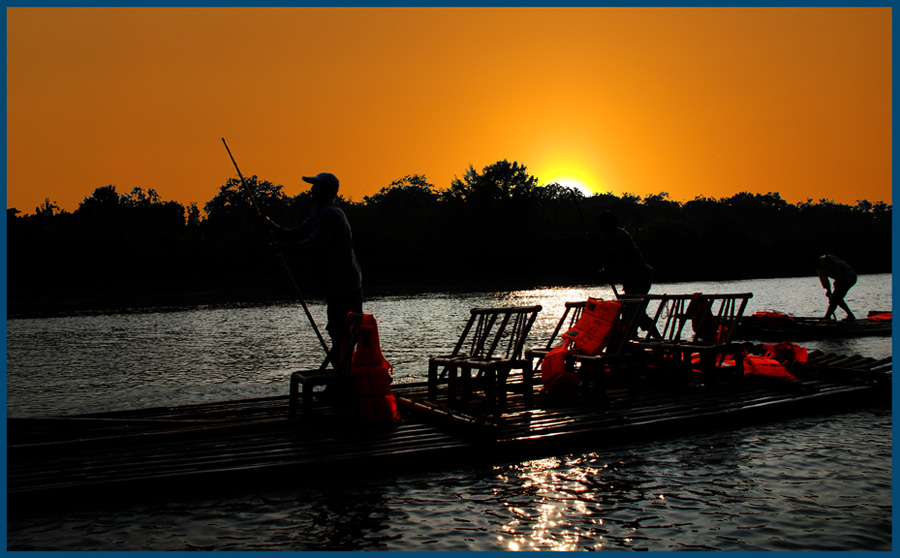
561, 514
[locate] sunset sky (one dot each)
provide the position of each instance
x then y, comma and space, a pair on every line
690, 101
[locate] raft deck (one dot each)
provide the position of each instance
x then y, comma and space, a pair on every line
209, 447
798, 329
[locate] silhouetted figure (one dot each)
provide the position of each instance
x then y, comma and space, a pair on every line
830, 266
326, 240
625, 261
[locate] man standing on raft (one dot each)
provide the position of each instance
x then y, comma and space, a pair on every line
623, 256
830, 266
325, 238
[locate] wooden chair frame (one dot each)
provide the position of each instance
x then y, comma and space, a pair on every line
633, 306
338, 376
491, 345
590, 368
712, 319
571, 312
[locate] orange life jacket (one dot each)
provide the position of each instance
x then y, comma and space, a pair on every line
786, 353
595, 328
375, 401
554, 376
765, 366
882, 317
774, 319
775, 361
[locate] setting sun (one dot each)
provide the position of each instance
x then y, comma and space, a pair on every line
574, 185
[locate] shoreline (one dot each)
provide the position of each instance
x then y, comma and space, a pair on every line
32, 306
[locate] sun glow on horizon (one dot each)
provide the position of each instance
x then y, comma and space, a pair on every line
575, 183
580, 174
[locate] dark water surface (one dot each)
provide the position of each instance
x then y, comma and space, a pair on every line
811, 484
818, 483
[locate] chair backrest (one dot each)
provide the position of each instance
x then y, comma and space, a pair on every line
633, 314
670, 316
633, 308
496, 332
726, 310
571, 313
709, 318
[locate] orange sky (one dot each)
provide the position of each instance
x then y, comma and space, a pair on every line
689, 101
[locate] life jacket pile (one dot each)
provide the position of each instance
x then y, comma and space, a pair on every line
773, 319
374, 400
775, 361
589, 335
786, 353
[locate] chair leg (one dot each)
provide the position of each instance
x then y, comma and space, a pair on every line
432, 381
528, 384
293, 396
739, 363
708, 363
452, 384
307, 401
464, 386
490, 388
502, 391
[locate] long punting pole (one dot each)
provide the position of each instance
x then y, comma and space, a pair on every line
283, 262
590, 236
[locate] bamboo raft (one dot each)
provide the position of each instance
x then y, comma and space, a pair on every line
799, 328
213, 447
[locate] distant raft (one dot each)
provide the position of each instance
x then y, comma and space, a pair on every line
774, 326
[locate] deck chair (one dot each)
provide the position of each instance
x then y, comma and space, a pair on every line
571, 312
592, 369
336, 378
696, 331
490, 346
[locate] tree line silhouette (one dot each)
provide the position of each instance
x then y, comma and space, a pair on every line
491, 229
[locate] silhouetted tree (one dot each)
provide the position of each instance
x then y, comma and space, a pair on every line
497, 182
494, 228
232, 199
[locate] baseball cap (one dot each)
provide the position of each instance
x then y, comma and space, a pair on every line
324, 179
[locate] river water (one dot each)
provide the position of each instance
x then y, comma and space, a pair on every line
818, 483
